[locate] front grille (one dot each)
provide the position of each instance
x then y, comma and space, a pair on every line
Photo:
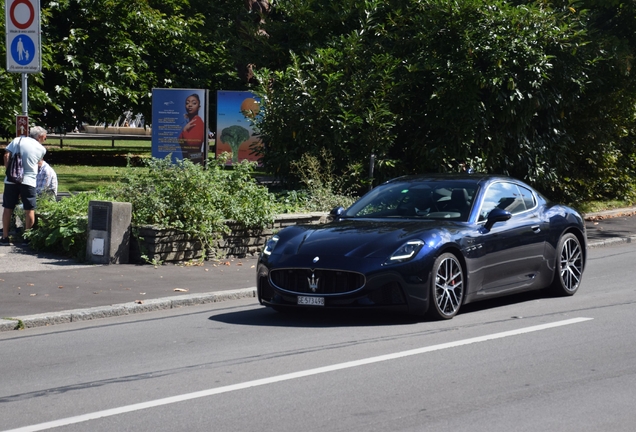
307, 281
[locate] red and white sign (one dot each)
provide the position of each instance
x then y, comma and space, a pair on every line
24, 51
21, 125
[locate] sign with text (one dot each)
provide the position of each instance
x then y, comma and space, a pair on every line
24, 49
180, 124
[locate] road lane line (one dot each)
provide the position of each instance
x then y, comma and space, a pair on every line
286, 377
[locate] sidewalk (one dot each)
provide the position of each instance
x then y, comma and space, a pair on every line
41, 289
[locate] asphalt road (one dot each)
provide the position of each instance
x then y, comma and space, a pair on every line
38, 289
525, 363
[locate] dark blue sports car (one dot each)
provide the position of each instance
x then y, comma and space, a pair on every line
427, 244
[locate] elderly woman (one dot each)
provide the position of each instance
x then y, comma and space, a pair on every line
46, 179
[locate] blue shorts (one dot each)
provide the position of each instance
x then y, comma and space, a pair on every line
14, 192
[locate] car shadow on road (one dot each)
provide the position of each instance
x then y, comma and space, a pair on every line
314, 318
509, 300
322, 318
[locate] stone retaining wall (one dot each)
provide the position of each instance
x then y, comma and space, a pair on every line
152, 244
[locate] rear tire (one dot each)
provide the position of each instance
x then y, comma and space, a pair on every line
447, 287
568, 269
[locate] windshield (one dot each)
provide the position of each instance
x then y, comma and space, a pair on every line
434, 199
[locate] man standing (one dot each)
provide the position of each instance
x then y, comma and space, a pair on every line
32, 152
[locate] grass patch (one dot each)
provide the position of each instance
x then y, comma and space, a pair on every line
81, 178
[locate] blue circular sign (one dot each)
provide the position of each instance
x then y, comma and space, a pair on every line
23, 50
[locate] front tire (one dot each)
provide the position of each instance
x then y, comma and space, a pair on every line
569, 266
447, 287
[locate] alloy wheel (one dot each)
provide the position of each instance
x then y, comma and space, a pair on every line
449, 285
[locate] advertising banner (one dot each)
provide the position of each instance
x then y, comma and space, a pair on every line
180, 124
235, 132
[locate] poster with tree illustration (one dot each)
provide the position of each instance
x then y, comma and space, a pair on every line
235, 134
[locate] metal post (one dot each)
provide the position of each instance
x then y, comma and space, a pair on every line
371, 166
25, 98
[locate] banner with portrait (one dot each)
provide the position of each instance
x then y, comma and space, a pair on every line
180, 124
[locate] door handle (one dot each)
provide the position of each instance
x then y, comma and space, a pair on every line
536, 229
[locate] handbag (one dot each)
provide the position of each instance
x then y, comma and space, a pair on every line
15, 170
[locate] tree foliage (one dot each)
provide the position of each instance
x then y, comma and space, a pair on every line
103, 57
535, 89
539, 89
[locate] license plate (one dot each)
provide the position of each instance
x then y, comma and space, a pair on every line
311, 301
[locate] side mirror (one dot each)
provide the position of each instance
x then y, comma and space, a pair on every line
337, 212
497, 215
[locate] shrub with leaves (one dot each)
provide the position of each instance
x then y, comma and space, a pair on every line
62, 226
325, 189
183, 196
196, 200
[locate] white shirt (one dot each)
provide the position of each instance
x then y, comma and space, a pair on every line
46, 180
32, 151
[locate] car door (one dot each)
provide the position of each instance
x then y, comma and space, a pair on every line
511, 251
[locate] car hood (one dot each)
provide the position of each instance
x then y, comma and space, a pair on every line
361, 238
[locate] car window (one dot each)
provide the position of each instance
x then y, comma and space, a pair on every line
398, 200
506, 196
422, 200
528, 197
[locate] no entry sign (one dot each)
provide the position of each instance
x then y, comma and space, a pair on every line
24, 52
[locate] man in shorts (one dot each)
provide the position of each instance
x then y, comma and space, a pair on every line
32, 151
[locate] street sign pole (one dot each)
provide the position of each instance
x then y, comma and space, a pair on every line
23, 39
25, 94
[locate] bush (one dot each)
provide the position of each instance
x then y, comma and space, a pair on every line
195, 200
325, 190
189, 198
62, 226
183, 196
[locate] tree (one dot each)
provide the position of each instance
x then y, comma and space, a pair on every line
235, 136
104, 57
501, 86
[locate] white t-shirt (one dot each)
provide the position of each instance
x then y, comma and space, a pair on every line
32, 151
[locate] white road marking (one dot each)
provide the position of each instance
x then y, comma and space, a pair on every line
287, 377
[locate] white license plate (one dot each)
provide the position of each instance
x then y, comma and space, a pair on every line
311, 301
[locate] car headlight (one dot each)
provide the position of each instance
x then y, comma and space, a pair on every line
270, 245
406, 252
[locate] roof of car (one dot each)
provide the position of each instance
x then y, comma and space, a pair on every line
472, 178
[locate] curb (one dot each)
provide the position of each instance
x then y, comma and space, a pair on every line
64, 317
611, 242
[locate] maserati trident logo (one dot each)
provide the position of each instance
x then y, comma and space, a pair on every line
313, 282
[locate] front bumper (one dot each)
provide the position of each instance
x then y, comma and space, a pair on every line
398, 289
